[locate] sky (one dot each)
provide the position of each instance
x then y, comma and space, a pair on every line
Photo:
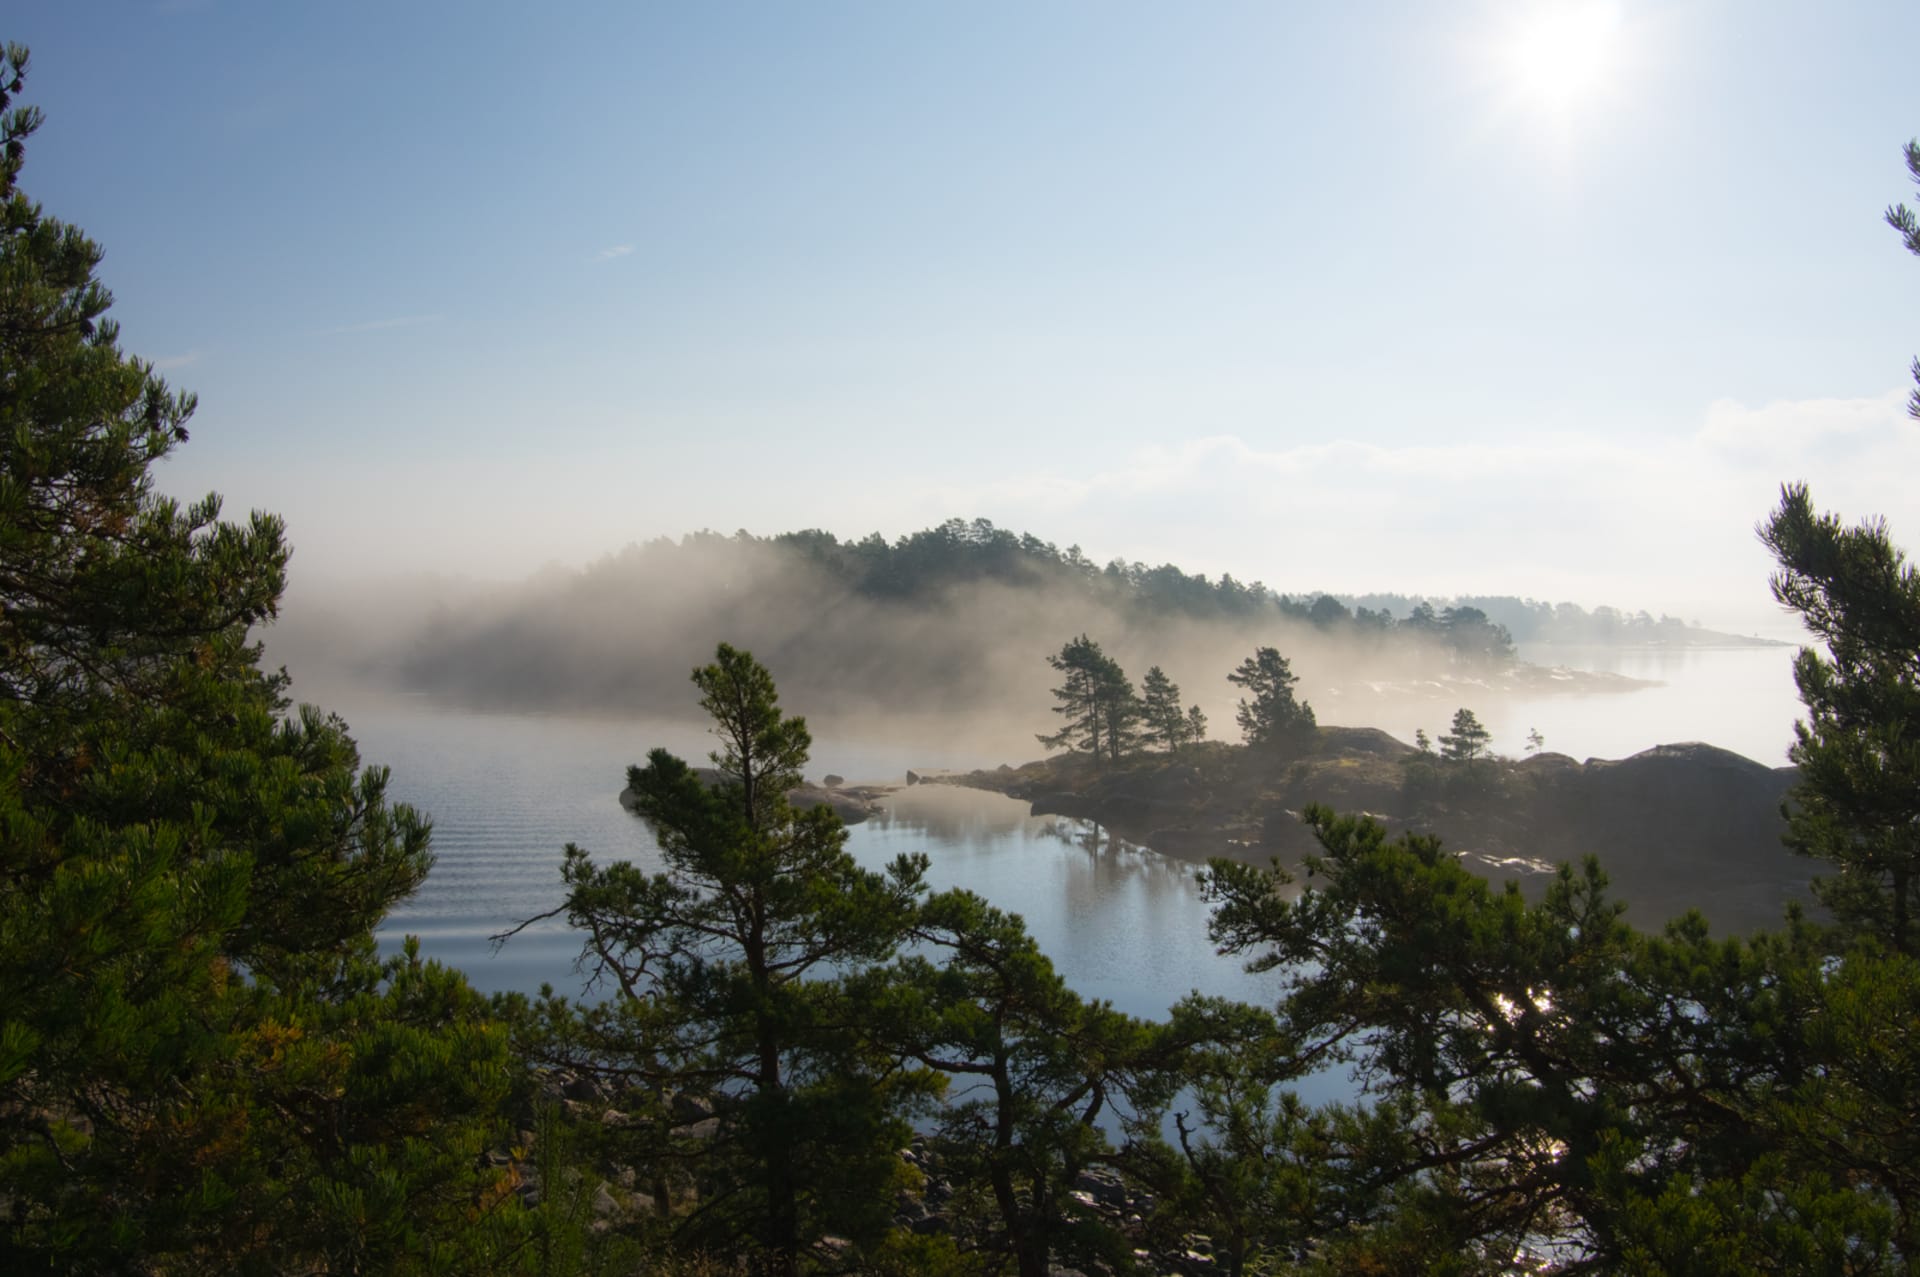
1497, 296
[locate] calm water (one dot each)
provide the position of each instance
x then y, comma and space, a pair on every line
508, 792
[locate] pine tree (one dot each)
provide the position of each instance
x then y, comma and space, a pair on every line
1120, 711
1196, 729
1081, 661
1467, 741
1038, 1068
734, 977
1858, 750
1098, 701
1232, 1172
1857, 802
1272, 719
203, 1065
1166, 723
1903, 220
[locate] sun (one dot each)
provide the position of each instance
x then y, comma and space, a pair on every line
1560, 50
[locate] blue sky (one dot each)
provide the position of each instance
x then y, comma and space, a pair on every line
1346, 296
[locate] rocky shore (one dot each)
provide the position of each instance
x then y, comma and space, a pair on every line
1675, 827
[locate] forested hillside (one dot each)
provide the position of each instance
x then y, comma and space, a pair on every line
1537, 621
956, 616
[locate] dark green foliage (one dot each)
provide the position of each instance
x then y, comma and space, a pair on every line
203, 1065
1546, 1080
1474, 639
1902, 219
1464, 632
1272, 719
1096, 698
734, 978
1234, 1169
926, 563
1164, 723
1328, 612
1079, 661
1467, 741
1858, 800
1034, 1067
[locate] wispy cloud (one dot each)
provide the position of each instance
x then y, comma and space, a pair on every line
375, 325
170, 362
1630, 520
612, 251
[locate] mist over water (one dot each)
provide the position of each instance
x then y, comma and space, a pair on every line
925, 659
1740, 699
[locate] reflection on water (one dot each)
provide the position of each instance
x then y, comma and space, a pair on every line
1119, 921
508, 792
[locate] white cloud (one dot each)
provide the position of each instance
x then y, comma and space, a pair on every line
170, 362
1666, 524
616, 250
1787, 428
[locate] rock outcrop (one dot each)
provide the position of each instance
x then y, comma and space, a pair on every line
1675, 827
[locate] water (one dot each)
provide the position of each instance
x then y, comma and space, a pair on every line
508, 792
1741, 699
1119, 921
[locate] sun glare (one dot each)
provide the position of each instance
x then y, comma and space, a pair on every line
1561, 49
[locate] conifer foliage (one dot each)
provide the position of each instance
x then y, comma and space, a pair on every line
1858, 749
1166, 724
725, 969
1468, 739
204, 1067
1551, 1090
1101, 708
1272, 719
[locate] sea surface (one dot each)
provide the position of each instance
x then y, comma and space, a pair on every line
508, 792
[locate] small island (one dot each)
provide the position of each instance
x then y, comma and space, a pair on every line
1678, 826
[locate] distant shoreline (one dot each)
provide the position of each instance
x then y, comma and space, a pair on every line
1708, 641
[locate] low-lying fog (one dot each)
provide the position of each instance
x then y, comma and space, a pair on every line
954, 673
